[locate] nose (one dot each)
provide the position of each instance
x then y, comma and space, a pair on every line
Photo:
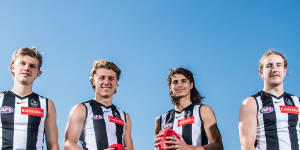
27, 66
106, 80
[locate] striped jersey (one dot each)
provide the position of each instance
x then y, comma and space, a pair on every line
22, 121
103, 126
187, 123
278, 126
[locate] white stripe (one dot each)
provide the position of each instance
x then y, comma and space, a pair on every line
123, 117
1, 100
40, 142
196, 127
20, 124
296, 101
178, 116
260, 131
282, 125
90, 137
110, 127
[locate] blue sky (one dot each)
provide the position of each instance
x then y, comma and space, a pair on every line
221, 42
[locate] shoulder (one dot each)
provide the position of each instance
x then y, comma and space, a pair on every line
206, 111
249, 101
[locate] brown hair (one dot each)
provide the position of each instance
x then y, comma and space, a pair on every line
196, 98
106, 65
268, 53
26, 51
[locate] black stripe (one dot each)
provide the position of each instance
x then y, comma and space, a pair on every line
119, 128
270, 123
33, 123
203, 134
292, 120
170, 118
7, 120
187, 129
99, 126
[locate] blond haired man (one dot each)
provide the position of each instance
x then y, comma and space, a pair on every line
25, 115
269, 120
97, 123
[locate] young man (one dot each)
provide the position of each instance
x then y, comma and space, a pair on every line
194, 122
97, 123
269, 120
25, 115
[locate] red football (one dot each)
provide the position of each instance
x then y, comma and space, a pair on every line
167, 133
117, 147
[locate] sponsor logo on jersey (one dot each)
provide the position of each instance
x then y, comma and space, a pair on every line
6, 109
116, 120
32, 111
168, 125
185, 121
97, 117
289, 109
266, 110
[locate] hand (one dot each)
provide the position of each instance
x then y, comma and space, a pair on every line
157, 139
109, 149
174, 143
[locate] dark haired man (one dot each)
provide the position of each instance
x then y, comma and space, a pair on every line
25, 115
269, 120
194, 122
97, 123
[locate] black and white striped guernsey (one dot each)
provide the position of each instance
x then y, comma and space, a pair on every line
187, 123
278, 126
22, 121
103, 126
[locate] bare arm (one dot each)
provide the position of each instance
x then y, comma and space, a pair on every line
127, 134
211, 129
248, 124
51, 128
74, 127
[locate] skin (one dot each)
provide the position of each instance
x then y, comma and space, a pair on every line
25, 69
105, 82
180, 87
272, 74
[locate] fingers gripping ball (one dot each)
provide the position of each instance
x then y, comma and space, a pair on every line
117, 147
167, 133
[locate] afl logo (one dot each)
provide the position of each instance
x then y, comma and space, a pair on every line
6, 110
267, 109
97, 117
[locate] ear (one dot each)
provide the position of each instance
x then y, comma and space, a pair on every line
12, 67
191, 85
261, 73
285, 71
39, 73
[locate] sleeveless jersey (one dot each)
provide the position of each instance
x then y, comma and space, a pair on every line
103, 126
278, 125
187, 123
22, 121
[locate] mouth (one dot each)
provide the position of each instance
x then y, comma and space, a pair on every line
26, 74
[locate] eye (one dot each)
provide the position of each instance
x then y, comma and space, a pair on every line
111, 78
101, 78
32, 66
174, 81
183, 80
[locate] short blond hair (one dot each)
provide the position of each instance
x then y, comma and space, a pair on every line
268, 53
26, 51
106, 65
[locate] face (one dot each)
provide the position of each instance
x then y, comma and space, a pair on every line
180, 86
25, 69
273, 71
106, 82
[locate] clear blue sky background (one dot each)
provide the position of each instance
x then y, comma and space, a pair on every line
220, 41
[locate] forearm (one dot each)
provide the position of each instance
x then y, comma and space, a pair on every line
213, 146
247, 147
53, 147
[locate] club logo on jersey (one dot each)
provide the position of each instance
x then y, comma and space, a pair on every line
289, 109
32, 111
34, 103
116, 120
168, 125
97, 117
188, 113
185, 121
288, 102
267, 109
6, 110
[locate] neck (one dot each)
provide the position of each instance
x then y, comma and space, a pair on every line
22, 90
104, 101
274, 90
183, 103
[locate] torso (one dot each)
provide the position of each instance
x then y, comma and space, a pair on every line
103, 127
278, 126
187, 123
22, 121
